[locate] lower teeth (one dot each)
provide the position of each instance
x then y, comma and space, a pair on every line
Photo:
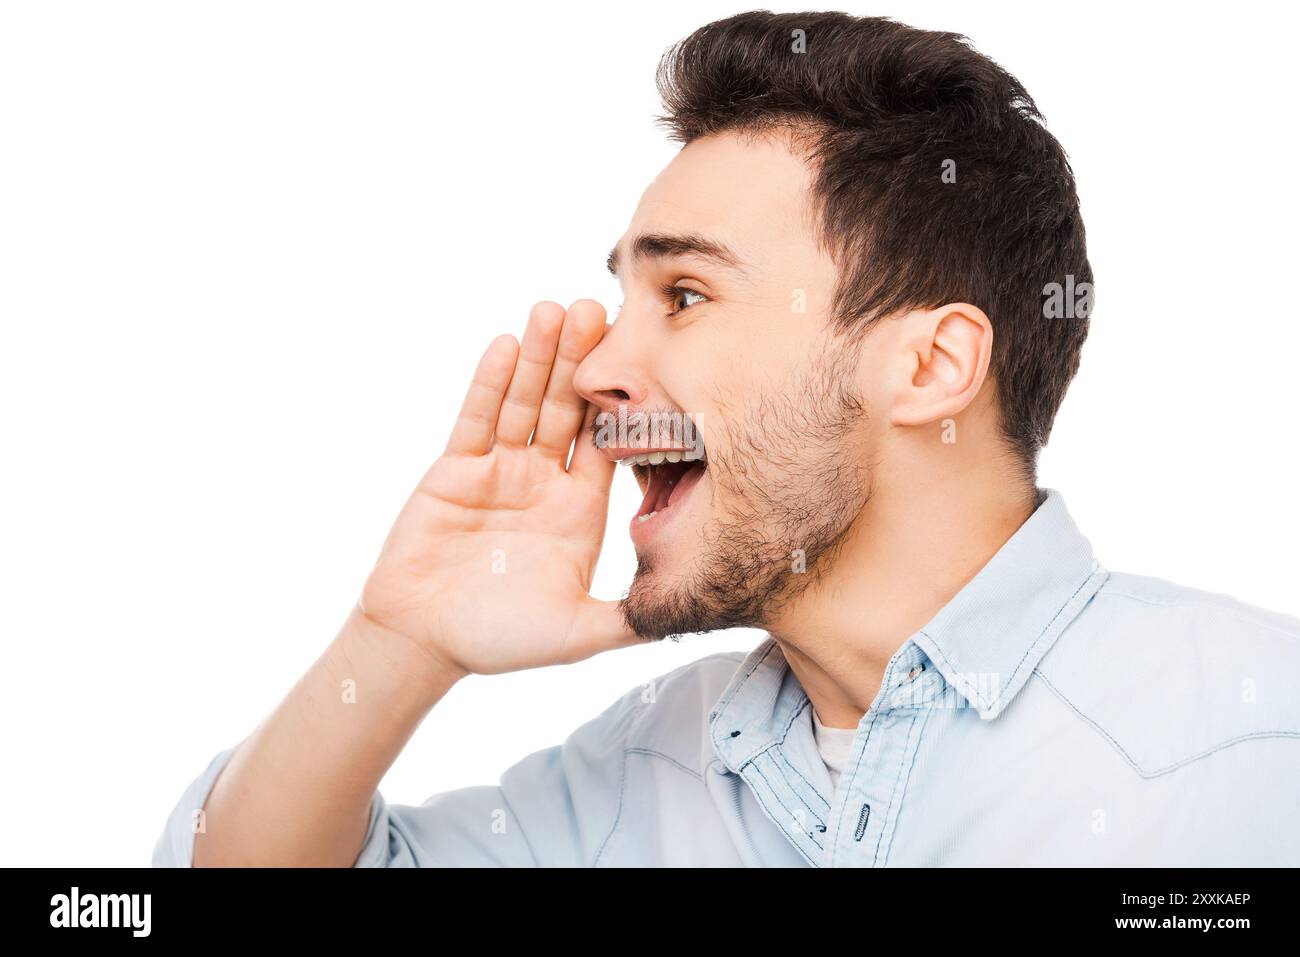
645, 518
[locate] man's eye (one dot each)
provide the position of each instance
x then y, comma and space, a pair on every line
679, 298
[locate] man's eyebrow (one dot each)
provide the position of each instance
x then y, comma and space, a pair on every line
662, 245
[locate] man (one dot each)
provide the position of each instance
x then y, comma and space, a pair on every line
859, 291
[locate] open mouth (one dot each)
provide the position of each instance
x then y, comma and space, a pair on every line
667, 478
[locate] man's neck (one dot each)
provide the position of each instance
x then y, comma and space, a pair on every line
912, 549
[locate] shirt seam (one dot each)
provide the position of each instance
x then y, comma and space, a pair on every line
1202, 603
784, 807
1095, 575
795, 844
1182, 762
979, 696
906, 762
618, 811
786, 761
839, 828
920, 733
641, 749
635, 725
792, 788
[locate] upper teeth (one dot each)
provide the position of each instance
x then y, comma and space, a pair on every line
659, 458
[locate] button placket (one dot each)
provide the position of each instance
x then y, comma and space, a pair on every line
867, 806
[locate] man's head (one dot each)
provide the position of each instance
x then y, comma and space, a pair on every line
844, 265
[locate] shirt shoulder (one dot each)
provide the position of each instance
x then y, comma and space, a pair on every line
1170, 674
561, 805
672, 716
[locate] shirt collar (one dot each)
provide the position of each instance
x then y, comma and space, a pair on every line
985, 642
990, 637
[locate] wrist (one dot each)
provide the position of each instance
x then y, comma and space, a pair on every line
406, 666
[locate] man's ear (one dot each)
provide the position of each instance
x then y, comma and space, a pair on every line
944, 361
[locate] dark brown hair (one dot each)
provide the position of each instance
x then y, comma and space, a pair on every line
882, 108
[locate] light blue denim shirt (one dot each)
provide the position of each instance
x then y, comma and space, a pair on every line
1053, 713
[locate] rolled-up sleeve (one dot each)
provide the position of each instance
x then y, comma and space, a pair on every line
175, 846
554, 807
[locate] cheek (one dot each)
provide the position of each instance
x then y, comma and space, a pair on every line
748, 387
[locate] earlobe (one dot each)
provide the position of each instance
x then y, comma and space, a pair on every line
949, 349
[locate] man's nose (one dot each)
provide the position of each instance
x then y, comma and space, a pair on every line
608, 377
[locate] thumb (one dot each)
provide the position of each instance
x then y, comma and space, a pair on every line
599, 626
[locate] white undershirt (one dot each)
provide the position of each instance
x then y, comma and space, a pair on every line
833, 745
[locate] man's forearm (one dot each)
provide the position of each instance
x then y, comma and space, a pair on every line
298, 790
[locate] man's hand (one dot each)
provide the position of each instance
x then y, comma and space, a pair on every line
488, 567
486, 570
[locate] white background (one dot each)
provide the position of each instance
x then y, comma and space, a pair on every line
250, 252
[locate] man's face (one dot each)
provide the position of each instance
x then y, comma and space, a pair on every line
724, 319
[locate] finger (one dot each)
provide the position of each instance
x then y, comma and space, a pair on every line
472, 433
588, 463
599, 626
562, 407
536, 356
